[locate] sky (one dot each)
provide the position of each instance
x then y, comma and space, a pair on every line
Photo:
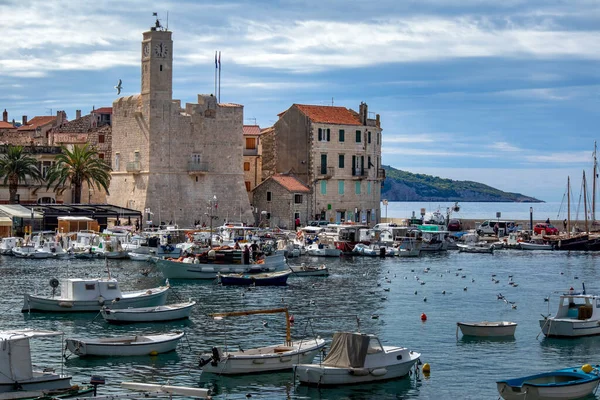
504, 93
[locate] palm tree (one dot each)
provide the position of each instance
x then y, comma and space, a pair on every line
76, 167
16, 166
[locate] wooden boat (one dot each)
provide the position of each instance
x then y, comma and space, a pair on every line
278, 278
18, 379
262, 359
79, 295
309, 270
465, 248
564, 384
578, 315
138, 345
487, 329
168, 312
357, 358
223, 261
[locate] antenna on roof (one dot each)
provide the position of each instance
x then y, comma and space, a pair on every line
167, 20
49, 109
332, 102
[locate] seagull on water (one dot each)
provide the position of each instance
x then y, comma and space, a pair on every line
119, 87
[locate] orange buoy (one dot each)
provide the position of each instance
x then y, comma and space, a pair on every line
423, 317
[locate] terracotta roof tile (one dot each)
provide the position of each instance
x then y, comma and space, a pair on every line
291, 183
230, 105
103, 110
267, 130
79, 125
329, 114
37, 122
6, 125
252, 130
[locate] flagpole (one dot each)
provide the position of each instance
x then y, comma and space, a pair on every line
219, 98
216, 73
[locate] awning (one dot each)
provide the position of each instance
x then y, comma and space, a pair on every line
6, 221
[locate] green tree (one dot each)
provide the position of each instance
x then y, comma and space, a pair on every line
15, 167
76, 167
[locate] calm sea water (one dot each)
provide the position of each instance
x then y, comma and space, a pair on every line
460, 368
483, 211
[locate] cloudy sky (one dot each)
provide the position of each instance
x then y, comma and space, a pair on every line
500, 92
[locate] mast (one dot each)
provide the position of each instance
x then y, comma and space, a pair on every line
594, 186
585, 203
568, 206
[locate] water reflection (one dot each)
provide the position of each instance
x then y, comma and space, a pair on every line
394, 389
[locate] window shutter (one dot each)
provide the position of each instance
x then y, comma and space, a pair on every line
328, 134
320, 134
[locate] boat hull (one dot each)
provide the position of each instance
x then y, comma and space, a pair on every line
124, 346
147, 298
564, 384
535, 246
310, 271
263, 279
179, 270
265, 359
321, 375
487, 329
40, 381
170, 312
552, 327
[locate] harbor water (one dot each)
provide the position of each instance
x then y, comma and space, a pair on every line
461, 368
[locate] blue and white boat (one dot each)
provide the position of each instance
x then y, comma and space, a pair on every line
564, 384
578, 315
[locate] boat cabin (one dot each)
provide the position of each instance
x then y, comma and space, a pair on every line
577, 306
90, 289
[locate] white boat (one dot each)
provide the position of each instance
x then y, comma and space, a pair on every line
139, 256
9, 243
223, 262
150, 388
578, 315
168, 312
322, 250
18, 379
374, 250
309, 270
535, 246
91, 294
49, 249
262, 359
357, 358
487, 328
138, 345
468, 248
24, 250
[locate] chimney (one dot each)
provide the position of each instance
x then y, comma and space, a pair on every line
59, 118
24, 122
77, 114
362, 112
5, 116
377, 121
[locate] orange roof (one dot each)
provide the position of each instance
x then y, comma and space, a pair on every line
230, 105
329, 114
6, 125
37, 122
267, 130
251, 130
291, 183
103, 110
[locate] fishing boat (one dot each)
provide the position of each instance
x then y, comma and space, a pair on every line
374, 250
19, 379
222, 261
138, 345
578, 315
9, 243
262, 359
357, 358
168, 312
277, 278
564, 384
467, 248
533, 245
487, 328
322, 250
77, 295
309, 270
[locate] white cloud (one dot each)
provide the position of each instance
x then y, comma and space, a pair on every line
416, 138
504, 146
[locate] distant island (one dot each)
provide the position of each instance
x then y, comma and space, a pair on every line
405, 186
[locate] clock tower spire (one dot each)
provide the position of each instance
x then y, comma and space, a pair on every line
157, 64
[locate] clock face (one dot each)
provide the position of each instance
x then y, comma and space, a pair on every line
146, 49
161, 50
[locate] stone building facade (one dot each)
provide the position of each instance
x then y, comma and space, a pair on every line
252, 158
174, 161
336, 152
280, 199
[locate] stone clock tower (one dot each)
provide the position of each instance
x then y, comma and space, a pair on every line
157, 66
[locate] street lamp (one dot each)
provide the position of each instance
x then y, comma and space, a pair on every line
531, 219
213, 203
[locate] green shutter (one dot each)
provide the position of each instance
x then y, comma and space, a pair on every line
342, 135
357, 187
340, 187
323, 187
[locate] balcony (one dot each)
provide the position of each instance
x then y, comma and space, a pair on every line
250, 152
325, 172
134, 167
380, 173
197, 168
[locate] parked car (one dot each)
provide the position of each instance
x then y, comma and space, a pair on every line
318, 223
549, 228
455, 225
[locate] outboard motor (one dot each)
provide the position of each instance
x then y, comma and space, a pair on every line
382, 252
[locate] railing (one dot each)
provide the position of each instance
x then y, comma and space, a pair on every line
326, 172
250, 152
197, 167
380, 173
133, 166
